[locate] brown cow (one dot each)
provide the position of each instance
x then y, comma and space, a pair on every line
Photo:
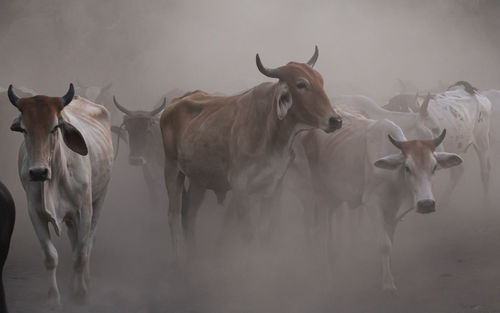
239, 142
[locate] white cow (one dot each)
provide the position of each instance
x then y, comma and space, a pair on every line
465, 114
417, 124
371, 165
65, 166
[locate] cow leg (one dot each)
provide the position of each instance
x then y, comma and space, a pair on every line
83, 222
456, 173
190, 209
237, 209
174, 181
148, 178
50, 253
384, 217
482, 151
96, 212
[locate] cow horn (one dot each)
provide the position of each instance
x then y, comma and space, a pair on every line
314, 58
120, 107
269, 72
437, 141
396, 143
68, 97
425, 104
160, 108
12, 96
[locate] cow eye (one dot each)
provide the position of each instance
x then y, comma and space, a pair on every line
302, 85
407, 169
55, 129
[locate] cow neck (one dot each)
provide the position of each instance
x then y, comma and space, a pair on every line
281, 132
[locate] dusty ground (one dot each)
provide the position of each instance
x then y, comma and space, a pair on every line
445, 262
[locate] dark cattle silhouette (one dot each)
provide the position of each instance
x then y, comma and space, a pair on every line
7, 219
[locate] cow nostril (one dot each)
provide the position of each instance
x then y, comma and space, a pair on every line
335, 122
39, 174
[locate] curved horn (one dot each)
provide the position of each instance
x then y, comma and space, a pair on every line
66, 99
160, 108
425, 104
396, 143
120, 107
269, 72
314, 58
437, 141
12, 96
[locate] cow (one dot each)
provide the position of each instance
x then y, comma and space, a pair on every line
466, 113
141, 129
239, 143
419, 124
7, 220
65, 165
403, 103
99, 95
370, 165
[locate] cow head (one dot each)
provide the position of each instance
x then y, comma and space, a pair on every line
138, 127
42, 124
300, 94
418, 161
427, 120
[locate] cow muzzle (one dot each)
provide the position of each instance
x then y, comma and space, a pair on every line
39, 173
426, 206
334, 123
137, 161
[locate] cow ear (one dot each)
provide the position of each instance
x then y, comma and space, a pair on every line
390, 162
283, 101
446, 160
120, 132
73, 138
16, 125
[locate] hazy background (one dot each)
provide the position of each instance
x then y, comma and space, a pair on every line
147, 47
444, 262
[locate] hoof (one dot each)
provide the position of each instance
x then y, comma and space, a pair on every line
54, 300
390, 289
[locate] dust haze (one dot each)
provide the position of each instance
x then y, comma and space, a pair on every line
444, 262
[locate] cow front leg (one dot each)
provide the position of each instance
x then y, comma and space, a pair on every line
50, 256
190, 207
174, 181
385, 246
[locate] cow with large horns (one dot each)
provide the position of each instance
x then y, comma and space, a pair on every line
141, 129
369, 164
65, 166
239, 143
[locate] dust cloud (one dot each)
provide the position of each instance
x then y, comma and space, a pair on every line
444, 262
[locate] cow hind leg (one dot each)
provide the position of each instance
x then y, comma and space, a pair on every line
51, 257
81, 253
485, 166
174, 182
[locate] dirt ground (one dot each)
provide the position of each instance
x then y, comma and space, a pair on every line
448, 261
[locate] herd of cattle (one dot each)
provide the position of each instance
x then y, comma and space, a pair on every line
345, 150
